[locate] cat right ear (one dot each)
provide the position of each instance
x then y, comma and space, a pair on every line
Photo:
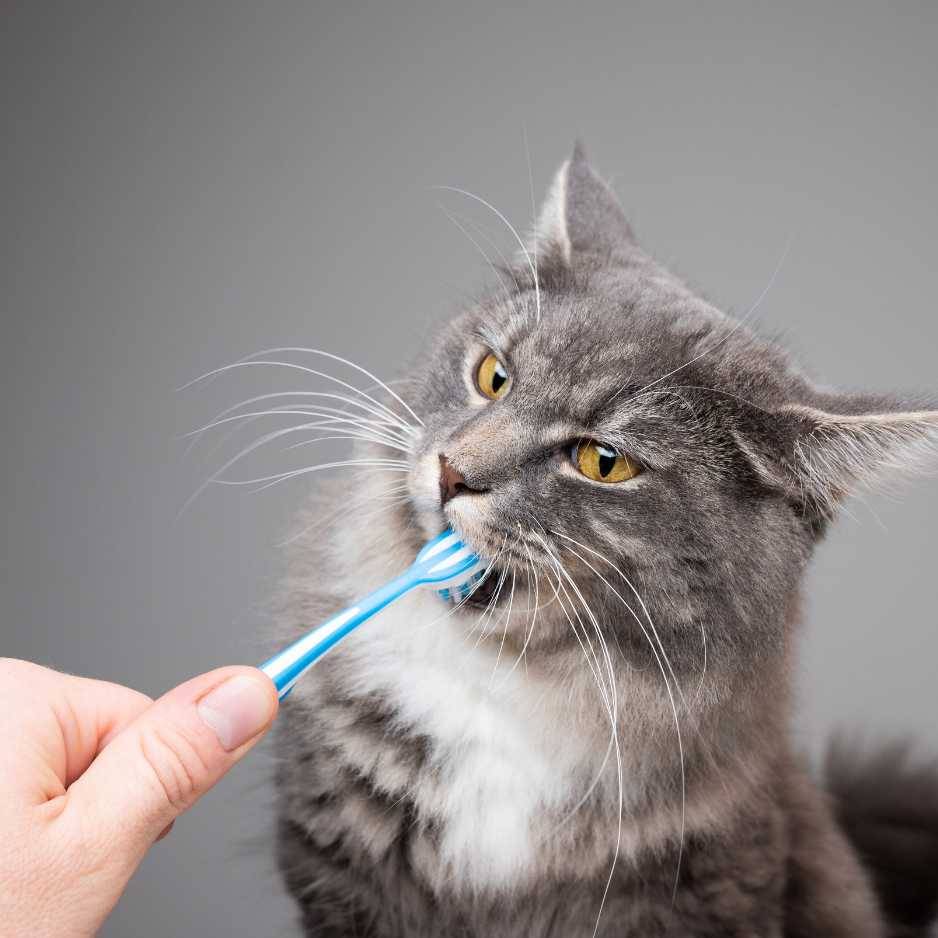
581, 215
843, 443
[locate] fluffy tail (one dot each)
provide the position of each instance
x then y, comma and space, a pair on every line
888, 806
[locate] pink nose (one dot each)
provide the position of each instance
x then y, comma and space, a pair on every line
452, 481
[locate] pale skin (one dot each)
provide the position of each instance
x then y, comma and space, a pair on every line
92, 774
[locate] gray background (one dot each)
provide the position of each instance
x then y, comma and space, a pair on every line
186, 184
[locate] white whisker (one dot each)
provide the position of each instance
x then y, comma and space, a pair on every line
373, 464
530, 630
498, 273
677, 724
635, 593
390, 493
374, 406
312, 351
527, 153
703, 669
359, 430
508, 224
501, 647
615, 724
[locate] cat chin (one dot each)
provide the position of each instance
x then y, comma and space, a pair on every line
466, 515
471, 517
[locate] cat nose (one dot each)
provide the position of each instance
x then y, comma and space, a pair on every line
452, 482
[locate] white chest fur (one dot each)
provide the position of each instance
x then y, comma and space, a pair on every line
502, 752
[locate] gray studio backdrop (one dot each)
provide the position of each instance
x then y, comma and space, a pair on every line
183, 184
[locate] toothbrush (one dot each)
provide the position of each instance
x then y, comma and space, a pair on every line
445, 563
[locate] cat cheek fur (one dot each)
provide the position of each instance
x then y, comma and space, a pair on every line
619, 763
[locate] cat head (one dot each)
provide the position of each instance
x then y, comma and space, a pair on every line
593, 419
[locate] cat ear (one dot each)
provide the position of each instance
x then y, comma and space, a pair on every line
852, 443
581, 214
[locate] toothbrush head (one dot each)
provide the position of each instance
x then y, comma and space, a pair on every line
449, 565
456, 594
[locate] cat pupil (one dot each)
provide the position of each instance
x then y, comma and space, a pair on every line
499, 377
607, 460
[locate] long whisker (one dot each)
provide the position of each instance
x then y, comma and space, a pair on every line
485, 619
612, 735
585, 645
677, 724
324, 354
378, 419
373, 464
390, 493
493, 605
372, 432
703, 670
501, 646
530, 631
374, 406
641, 602
508, 224
615, 724
389, 435
703, 387
527, 153
353, 429
348, 435
267, 438
498, 273
382, 422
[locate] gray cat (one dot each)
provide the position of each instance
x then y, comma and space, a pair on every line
596, 742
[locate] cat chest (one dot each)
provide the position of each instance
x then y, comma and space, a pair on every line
501, 761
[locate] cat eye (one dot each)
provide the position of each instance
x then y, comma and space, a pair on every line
602, 463
492, 378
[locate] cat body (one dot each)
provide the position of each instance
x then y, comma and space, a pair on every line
600, 744
428, 789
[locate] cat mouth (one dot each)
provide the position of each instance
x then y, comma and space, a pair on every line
487, 592
496, 583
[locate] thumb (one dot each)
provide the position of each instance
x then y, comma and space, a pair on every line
163, 762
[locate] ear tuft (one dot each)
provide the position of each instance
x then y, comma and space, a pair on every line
579, 153
837, 454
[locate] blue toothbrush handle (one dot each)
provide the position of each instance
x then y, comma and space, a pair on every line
288, 666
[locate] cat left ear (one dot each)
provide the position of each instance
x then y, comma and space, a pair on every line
852, 446
581, 214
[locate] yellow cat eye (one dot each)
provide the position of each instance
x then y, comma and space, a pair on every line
492, 378
603, 463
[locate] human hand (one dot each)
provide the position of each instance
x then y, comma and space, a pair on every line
92, 774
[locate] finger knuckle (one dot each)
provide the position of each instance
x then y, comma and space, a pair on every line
176, 766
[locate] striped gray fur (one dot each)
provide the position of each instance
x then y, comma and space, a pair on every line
619, 764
